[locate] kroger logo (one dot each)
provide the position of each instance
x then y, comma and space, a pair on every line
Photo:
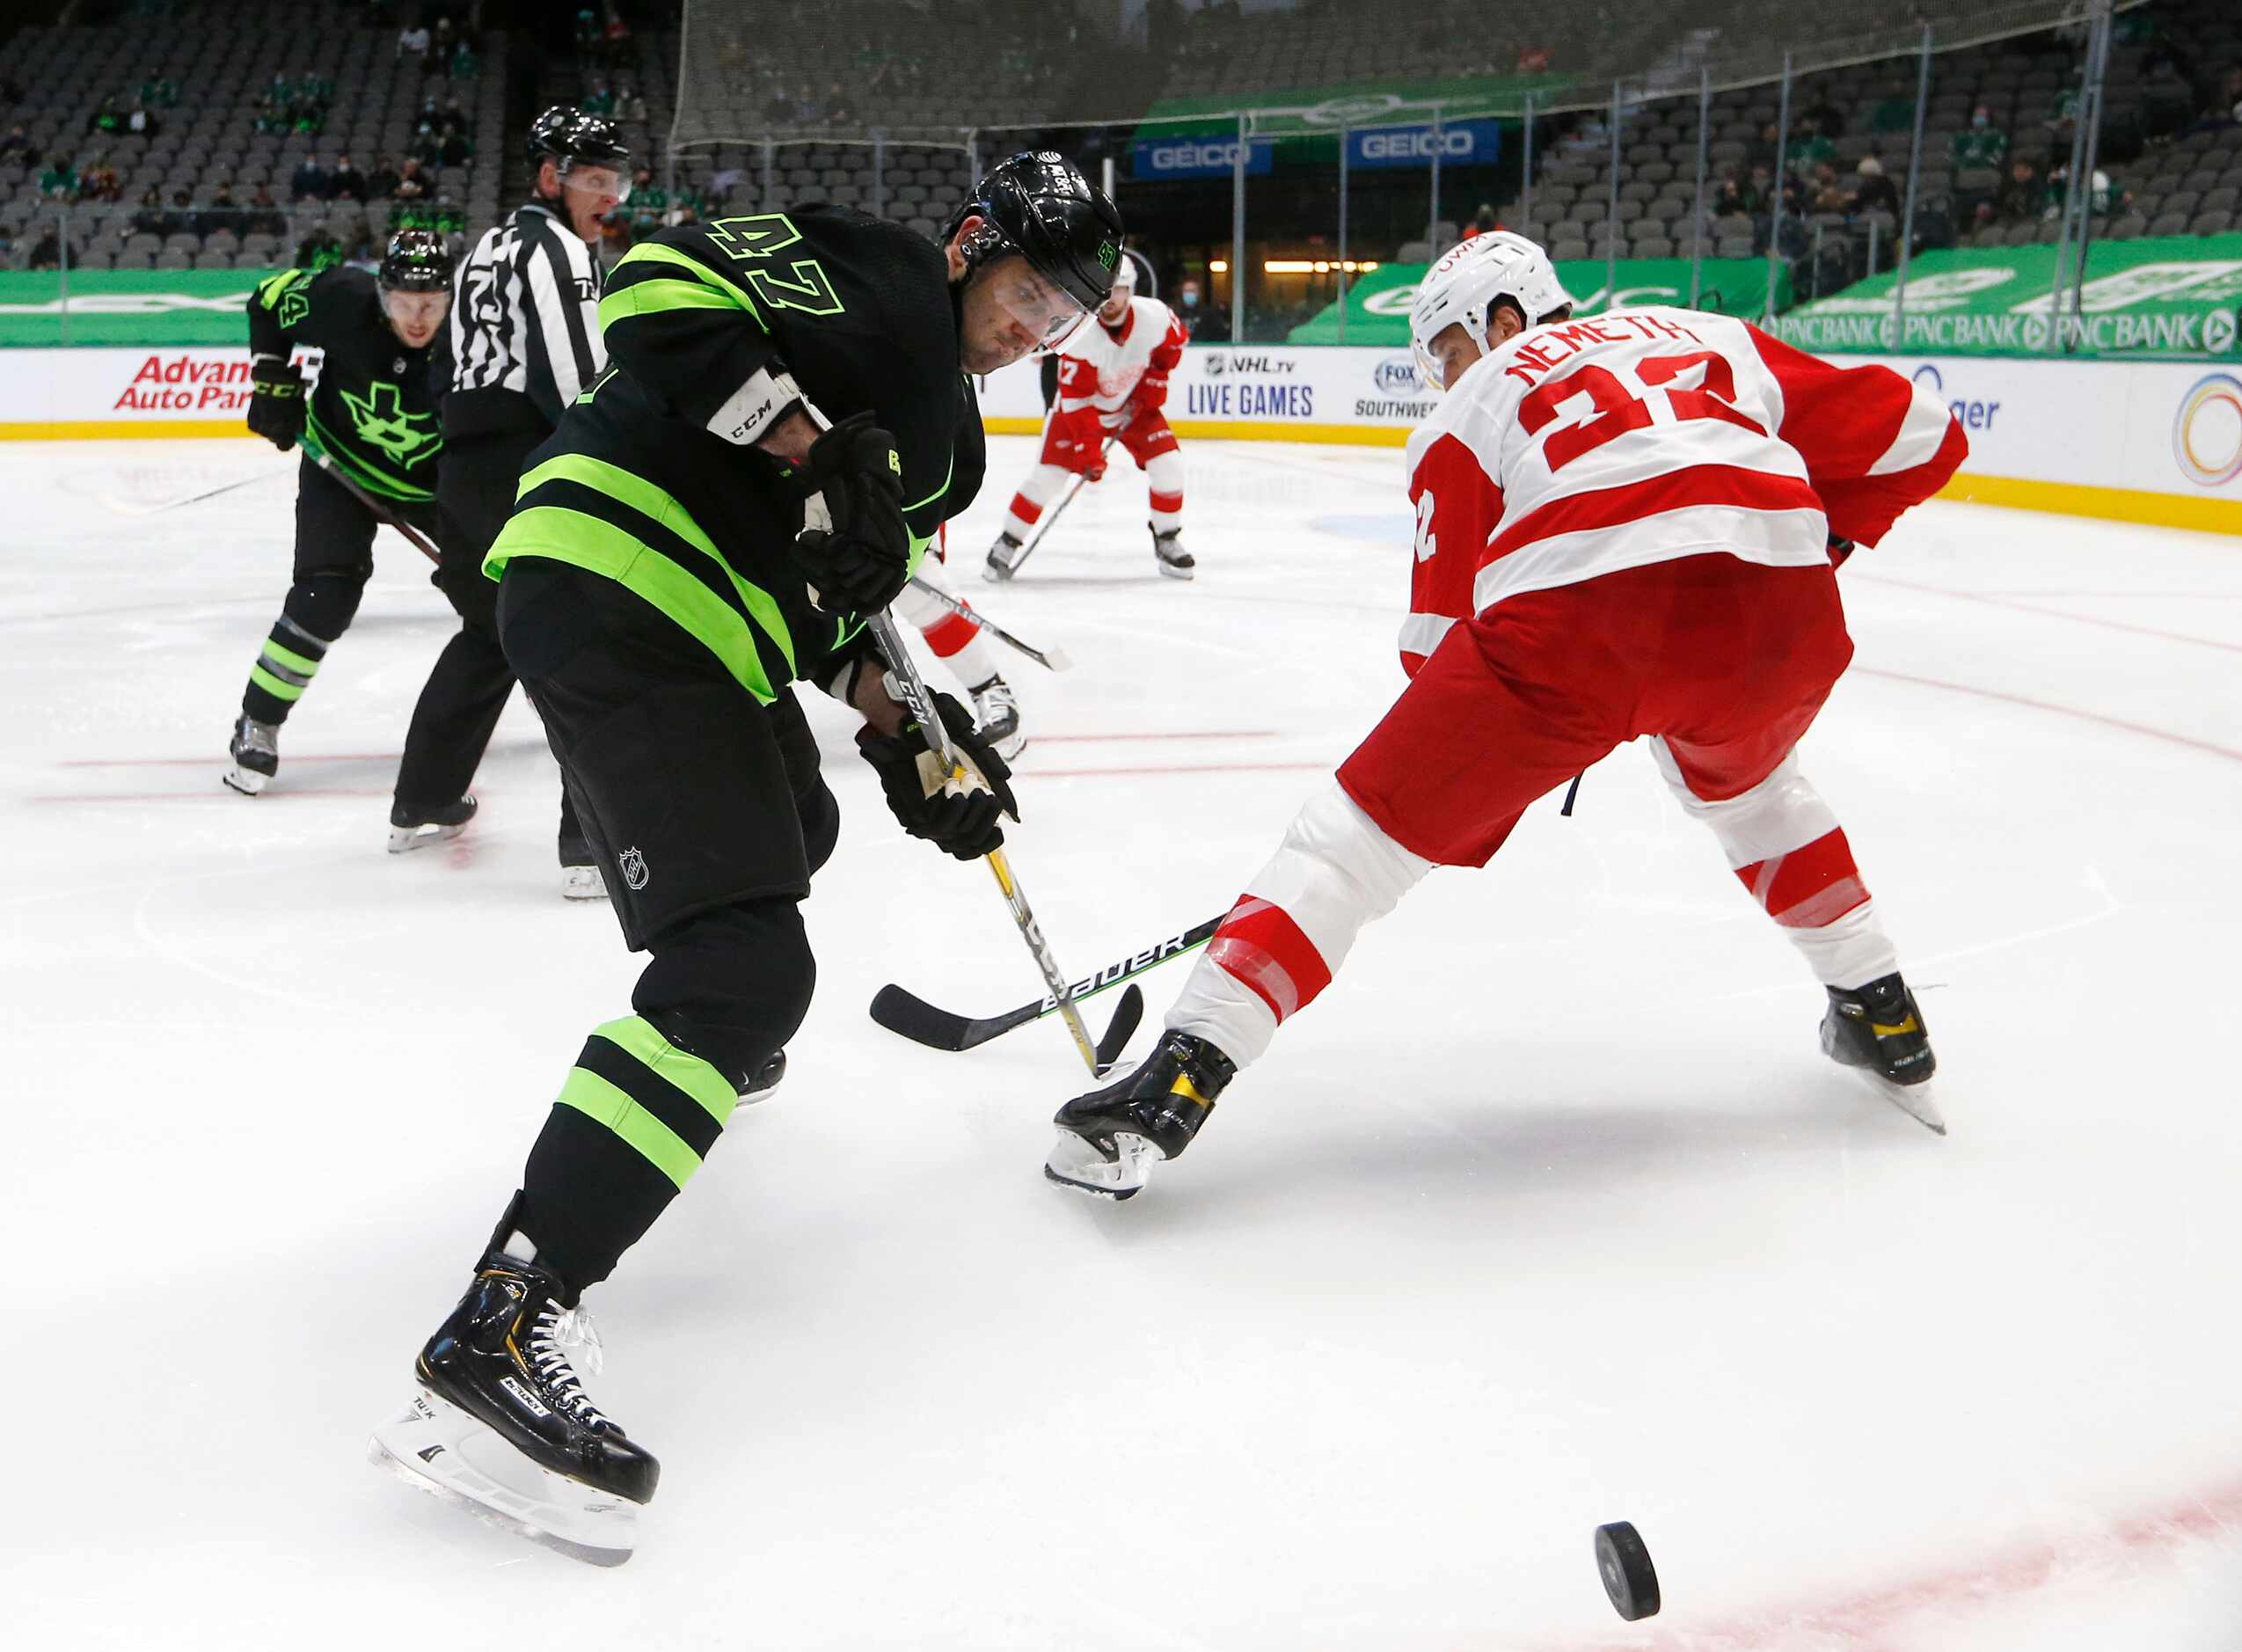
1397, 376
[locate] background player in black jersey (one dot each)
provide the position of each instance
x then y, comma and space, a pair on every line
782, 425
522, 342
374, 418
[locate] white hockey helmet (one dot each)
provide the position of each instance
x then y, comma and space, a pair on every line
1125, 272
1461, 286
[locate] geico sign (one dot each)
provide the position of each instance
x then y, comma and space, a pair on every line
1169, 158
1418, 145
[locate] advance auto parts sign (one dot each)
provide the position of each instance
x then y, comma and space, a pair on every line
2174, 297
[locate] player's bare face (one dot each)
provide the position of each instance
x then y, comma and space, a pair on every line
1452, 354
1009, 309
415, 317
1113, 309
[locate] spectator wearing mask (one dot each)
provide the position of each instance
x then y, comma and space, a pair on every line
345, 182
1980, 144
309, 181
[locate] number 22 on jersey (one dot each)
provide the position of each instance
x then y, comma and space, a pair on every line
1615, 410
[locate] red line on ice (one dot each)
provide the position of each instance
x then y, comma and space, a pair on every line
2188, 741
2049, 613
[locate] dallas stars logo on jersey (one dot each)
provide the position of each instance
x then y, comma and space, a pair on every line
381, 423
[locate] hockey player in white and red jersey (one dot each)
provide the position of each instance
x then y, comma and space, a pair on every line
958, 643
1112, 387
1626, 528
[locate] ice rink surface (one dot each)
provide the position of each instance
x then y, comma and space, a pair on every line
1549, 1213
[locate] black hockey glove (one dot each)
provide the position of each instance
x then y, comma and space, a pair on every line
957, 814
854, 550
275, 400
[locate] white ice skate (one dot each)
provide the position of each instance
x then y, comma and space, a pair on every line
996, 711
1004, 559
436, 1447
256, 752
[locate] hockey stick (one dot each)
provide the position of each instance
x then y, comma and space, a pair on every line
123, 509
1052, 514
905, 670
922, 1023
420, 540
1054, 660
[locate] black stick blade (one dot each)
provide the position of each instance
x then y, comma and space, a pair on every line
1131, 1011
915, 1019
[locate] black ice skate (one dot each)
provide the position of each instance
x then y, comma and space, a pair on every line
1168, 551
1109, 1139
765, 1083
256, 752
500, 1423
996, 711
1004, 559
1879, 1030
417, 825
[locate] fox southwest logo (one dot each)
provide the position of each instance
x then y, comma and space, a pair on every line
378, 419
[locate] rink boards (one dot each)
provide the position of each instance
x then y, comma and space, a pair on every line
2147, 441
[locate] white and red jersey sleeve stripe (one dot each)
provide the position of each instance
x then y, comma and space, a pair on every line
1456, 504
1874, 444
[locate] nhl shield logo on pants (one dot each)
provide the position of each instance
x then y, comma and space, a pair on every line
633, 867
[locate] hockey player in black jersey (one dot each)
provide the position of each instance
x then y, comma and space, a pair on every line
523, 341
373, 417
784, 422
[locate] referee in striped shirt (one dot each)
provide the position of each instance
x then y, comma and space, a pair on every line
524, 340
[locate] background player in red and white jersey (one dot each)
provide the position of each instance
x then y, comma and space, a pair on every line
958, 643
1625, 528
1113, 386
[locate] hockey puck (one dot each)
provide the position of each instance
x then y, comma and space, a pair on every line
1629, 1578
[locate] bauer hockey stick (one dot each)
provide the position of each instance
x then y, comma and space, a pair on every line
922, 706
420, 540
922, 1023
1052, 659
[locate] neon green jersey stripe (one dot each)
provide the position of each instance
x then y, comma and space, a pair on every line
269, 290
659, 507
599, 546
289, 658
597, 1099
672, 1065
274, 686
650, 252
655, 297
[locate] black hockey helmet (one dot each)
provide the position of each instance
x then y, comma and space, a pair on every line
1038, 205
565, 134
417, 261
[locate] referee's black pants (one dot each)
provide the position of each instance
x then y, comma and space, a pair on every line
467, 689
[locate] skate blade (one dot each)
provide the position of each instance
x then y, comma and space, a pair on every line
436, 1447
1074, 1163
405, 839
1010, 746
582, 883
1173, 572
1914, 1100
996, 572
248, 782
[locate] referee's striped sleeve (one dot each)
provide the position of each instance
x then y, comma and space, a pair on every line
562, 330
